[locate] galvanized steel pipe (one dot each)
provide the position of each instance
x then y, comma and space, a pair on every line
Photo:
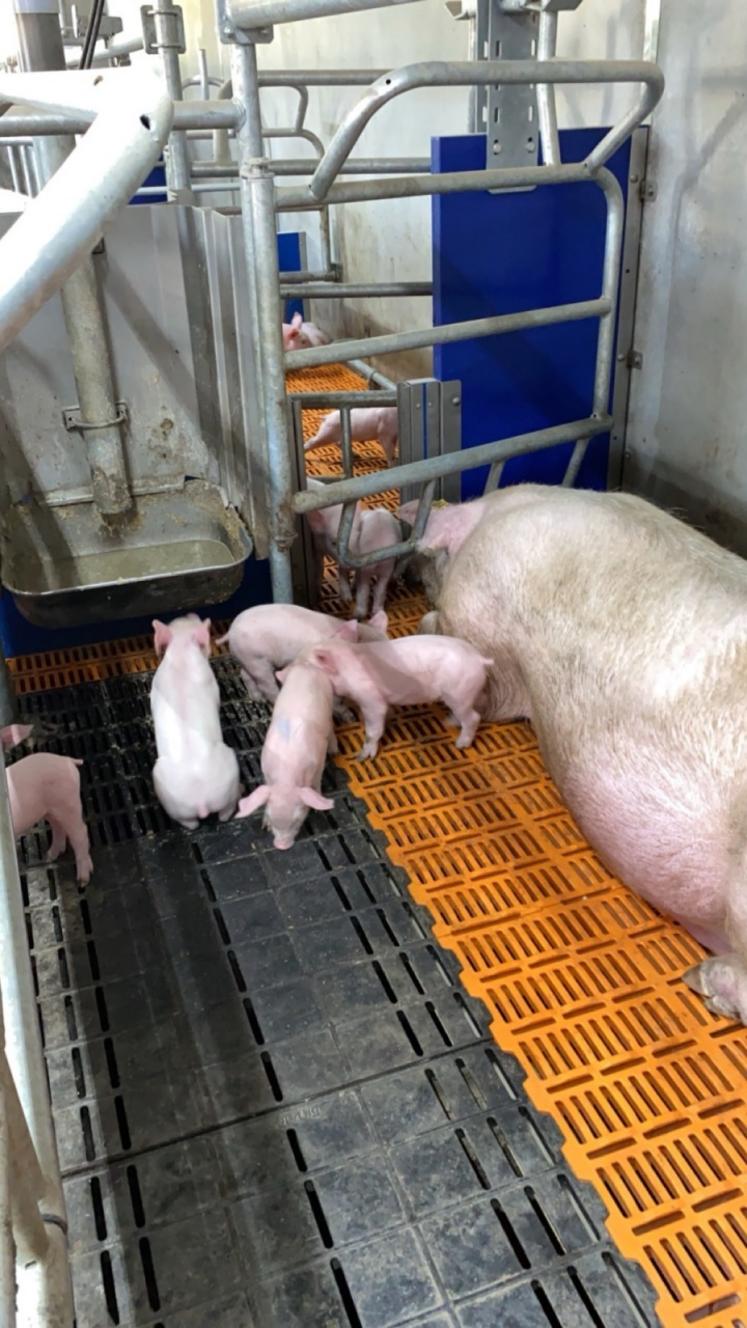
263, 13
547, 115
439, 73
433, 468
449, 182
391, 342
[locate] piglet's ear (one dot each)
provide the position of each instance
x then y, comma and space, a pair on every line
407, 511
162, 636
316, 800
201, 635
254, 801
297, 320
322, 659
347, 631
14, 733
380, 621
282, 674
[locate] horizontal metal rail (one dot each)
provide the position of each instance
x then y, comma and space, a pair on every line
390, 343
307, 166
333, 400
349, 491
348, 290
263, 13
439, 73
449, 182
191, 114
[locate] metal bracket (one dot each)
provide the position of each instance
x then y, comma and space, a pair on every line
507, 115
538, 6
430, 424
72, 420
150, 42
229, 33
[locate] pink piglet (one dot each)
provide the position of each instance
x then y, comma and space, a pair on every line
46, 787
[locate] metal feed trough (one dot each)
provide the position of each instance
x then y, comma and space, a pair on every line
146, 433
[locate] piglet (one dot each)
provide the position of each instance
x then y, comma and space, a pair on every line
196, 773
410, 671
270, 636
46, 787
298, 335
373, 528
293, 755
367, 424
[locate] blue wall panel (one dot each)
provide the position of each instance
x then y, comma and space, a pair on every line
499, 253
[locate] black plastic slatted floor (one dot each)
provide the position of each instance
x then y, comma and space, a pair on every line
275, 1106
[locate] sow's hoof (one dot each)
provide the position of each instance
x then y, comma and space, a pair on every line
722, 982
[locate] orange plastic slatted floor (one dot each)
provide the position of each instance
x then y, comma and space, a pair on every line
582, 979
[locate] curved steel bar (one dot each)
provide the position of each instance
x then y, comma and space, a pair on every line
63, 223
225, 93
440, 73
392, 342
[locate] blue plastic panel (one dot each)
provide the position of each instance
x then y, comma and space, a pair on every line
499, 253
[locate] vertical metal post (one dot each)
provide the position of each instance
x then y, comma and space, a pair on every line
547, 37
46, 1288
7, 699
260, 240
167, 22
606, 337
41, 48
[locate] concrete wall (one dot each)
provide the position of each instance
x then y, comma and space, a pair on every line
686, 433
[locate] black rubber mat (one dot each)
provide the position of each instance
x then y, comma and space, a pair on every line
275, 1106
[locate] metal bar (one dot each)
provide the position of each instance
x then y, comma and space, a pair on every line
333, 400
260, 241
449, 182
50, 1287
319, 78
372, 375
116, 50
306, 166
186, 115
263, 13
52, 239
438, 73
7, 697
307, 274
606, 337
547, 115
15, 176
346, 440
319, 290
391, 342
449, 463
399, 550
176, 152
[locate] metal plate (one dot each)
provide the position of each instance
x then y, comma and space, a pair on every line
508, 115
275, 1106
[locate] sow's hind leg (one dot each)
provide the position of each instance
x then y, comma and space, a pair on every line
722, 979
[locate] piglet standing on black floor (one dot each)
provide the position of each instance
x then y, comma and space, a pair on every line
196, 773
295, 748
46, 787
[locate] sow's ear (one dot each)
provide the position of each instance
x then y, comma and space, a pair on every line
255, 800
316, 800
323, 659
